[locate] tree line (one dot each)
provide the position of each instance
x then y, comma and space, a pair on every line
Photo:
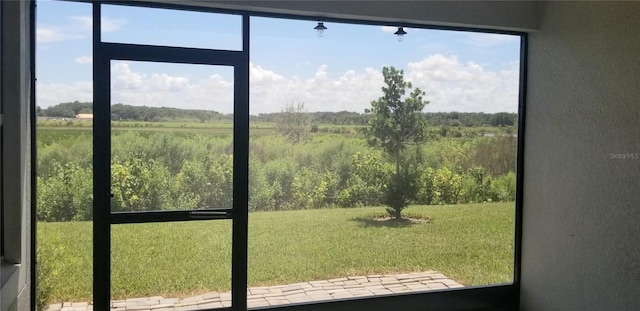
158, 114
134, 113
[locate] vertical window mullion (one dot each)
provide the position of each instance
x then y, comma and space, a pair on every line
241, 175
101, 169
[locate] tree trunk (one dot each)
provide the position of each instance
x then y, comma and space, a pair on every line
397, 209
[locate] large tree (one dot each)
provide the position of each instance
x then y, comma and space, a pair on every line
395, 122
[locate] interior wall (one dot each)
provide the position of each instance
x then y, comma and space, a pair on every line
582, 159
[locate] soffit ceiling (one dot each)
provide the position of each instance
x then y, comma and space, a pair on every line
498, 15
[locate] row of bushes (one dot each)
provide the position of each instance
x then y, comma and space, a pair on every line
154, 170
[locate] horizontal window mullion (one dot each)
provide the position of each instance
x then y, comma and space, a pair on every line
166, 216
152, 53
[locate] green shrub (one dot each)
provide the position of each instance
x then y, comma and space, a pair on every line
75, 149
207, 183
503, 188
313, 189
447, 186
280, 175
426, 189
367, 179
260, 196
66, 194
139, 185
477, 186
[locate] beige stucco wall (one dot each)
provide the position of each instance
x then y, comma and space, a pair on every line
581, 247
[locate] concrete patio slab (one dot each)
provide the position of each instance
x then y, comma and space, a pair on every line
313, 291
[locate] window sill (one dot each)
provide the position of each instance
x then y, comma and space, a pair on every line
500, 297
8, 285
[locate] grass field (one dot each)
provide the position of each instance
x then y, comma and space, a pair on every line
472, 244
222, 128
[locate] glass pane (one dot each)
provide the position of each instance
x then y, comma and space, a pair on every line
64, 149
323, 222
172, 136
137, 25
183, 265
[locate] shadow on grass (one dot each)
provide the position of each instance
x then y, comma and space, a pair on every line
368, 222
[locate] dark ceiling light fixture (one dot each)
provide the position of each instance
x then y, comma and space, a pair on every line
320, 28
400, 33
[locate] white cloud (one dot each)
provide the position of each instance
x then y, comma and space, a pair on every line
83, 60
388, 29
54, 34
454, 86
485, 40
161, 89
107, 24
350, 91
123, 78
450, 85
49, 94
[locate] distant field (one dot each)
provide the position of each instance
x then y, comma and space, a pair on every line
472, 244
222, 128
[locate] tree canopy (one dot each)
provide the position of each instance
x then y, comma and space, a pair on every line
395, 118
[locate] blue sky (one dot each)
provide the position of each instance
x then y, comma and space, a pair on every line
460, 71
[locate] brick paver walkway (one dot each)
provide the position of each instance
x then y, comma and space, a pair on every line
347, 287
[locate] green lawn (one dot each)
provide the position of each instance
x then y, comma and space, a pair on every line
472, 244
